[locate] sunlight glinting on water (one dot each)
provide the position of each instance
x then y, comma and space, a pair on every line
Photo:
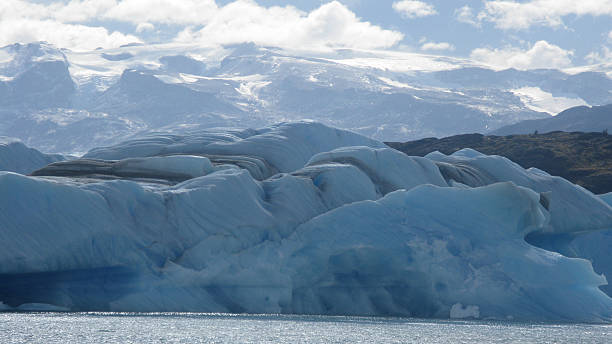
105, 327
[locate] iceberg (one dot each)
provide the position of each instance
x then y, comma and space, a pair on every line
301, 218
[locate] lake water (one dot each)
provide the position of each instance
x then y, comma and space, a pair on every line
224, 328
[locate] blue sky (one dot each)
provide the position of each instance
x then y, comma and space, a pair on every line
521, 34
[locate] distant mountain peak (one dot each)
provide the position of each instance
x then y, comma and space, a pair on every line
579, 118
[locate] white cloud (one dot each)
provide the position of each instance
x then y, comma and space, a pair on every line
541, 55
437, 46
71, 12
173, 12
24, 22
78, 11
465, 15
414, 9
605, 56
69, 24
13, 9
184, 12
331, 25
78, 37
142, 27
610, 35
522, 15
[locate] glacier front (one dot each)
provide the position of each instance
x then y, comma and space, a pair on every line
302, 218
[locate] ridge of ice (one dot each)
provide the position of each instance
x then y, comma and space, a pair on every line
572, 207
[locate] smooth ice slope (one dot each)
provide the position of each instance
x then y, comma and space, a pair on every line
295, 218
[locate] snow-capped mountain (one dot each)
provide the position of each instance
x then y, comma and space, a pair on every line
65, 101
34, 76
302, 218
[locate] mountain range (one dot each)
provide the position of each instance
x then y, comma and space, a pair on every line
64, 101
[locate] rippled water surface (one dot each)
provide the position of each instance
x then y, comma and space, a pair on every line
223, 328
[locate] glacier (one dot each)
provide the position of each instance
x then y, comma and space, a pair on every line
302, 218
